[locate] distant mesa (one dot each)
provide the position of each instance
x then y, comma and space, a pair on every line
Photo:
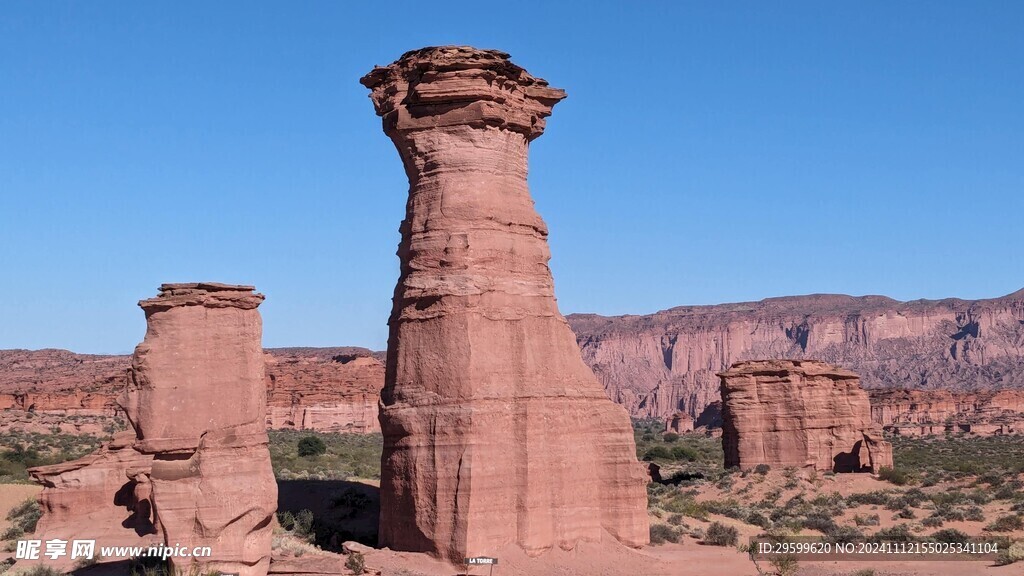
799, 413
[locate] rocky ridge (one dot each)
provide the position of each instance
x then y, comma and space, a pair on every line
661, 363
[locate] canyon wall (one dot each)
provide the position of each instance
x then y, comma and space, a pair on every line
322, 389
661, 363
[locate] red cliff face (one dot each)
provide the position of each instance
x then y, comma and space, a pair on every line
658, 364
926, 412
496, 433
323, 389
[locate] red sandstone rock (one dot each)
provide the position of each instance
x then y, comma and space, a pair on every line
679, 423
920, 412
800, 413
661, 363
339, 394
495, 431
196, 398
323, 389
98, 497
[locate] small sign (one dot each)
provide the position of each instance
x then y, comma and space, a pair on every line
481, 561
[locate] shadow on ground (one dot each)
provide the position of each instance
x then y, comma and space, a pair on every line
342, 510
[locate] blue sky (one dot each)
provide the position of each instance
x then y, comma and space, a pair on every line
708, 152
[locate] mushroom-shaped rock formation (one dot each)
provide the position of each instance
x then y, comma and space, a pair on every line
495, 432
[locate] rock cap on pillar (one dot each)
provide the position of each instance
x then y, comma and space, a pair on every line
459, 85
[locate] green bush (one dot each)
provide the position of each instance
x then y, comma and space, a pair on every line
893, 475
311, 446
670, 437
682, 452
719, 534
762, 469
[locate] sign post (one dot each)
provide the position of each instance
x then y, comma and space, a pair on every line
482, 561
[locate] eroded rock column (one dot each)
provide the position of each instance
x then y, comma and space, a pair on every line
197, 400
495, 431
799, 413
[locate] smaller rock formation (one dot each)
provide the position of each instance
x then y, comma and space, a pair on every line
799, 413
100, 497
679, 423
197, 400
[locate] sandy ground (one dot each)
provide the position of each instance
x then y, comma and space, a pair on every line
11, 495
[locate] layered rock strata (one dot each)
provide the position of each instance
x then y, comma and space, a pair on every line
495, 431
658, 364
799, 413
104, 496
322, 389
197, 401
929, 412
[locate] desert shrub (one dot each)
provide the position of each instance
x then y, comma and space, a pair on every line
683, 452
676, 520
875, 498
661, 533
311, 446
300, 524
658, 453
719, 534
820, 522
974, 514
897, 533
670, 437
950, 535
24, 516
932, 522
762, 469
785, 565
867, 520
895, 476
356, 563
845, 534
993, 479
1009, 490
1013, 553
687, 506
1008, 523
906, 514
758, 519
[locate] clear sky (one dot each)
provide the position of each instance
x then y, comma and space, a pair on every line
708, 152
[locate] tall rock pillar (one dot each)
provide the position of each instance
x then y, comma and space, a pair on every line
197, 400
495, 431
